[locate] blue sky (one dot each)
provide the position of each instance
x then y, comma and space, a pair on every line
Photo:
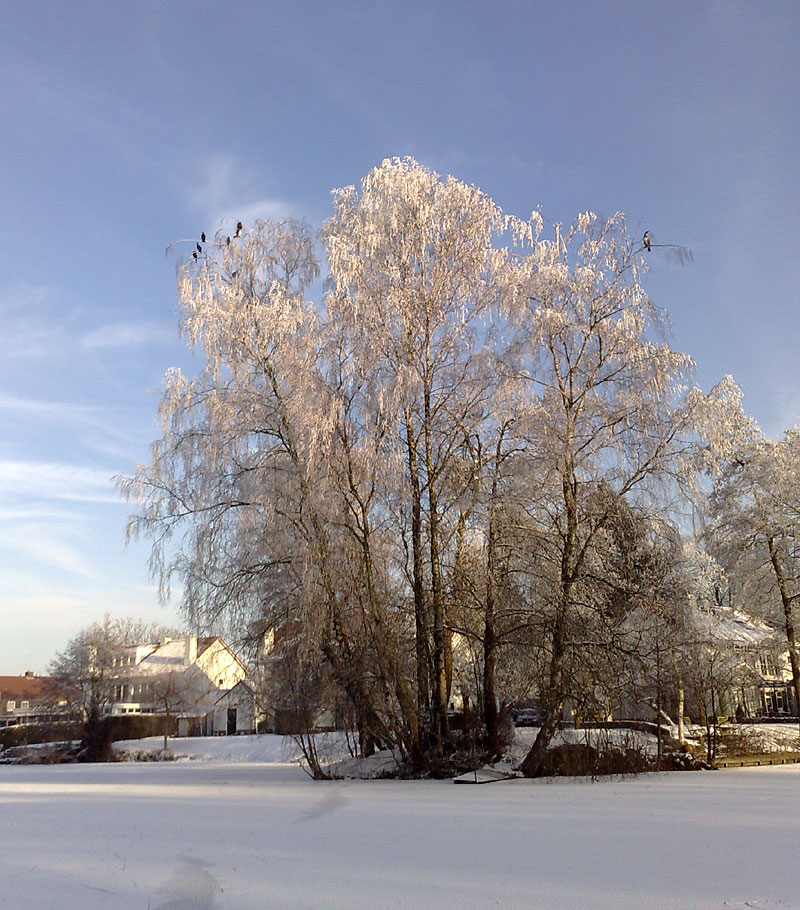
125, 126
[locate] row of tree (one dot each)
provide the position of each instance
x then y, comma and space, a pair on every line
467, 467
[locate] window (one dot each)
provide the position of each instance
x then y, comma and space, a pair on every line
11, 705
766, 664
24, 705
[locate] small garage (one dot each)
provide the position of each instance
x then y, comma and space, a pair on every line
235, 711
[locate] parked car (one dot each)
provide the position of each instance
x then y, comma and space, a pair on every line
525, 717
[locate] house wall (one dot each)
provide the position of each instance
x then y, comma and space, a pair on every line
30, 699
242, 700
142, 672
221, 666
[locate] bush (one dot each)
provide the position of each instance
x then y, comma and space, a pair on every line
27, 734
683, 761
140, 726
41, 754
583, 760
96, 735
140, 755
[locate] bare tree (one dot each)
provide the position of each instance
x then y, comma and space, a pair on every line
86, 672
172, 693
415, 274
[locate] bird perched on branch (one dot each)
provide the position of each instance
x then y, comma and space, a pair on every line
674, 252
194, 255
238, 229
199, 248
203, 237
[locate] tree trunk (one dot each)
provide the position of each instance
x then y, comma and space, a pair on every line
439, 688
420, 606
387, 658
788, 618
553, 702
490, 715
659, 743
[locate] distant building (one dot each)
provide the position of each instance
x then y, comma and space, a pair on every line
761, 682
30, 699
182, 677
235, 711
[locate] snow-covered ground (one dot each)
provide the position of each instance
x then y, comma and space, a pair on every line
266, 748
258, 833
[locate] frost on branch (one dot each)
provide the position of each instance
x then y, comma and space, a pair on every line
450, 481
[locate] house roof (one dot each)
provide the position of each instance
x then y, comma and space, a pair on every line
203, 644
726, 624
25, 686
171, 652
240, 685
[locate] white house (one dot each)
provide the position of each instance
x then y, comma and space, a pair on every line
174, 676
762, 687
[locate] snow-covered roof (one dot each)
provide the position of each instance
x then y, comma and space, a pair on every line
172, 652
729, 625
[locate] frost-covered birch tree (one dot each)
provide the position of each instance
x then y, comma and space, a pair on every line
754, 530
609, 418
415, 274
448, 446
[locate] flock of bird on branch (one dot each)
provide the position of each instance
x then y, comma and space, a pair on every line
682, 253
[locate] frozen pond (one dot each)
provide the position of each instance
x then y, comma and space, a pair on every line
260, 834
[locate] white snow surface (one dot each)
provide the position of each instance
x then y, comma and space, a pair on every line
264, 748
256, 832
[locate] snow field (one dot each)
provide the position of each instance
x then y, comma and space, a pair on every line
261, 834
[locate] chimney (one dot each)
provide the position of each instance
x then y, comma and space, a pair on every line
190, 655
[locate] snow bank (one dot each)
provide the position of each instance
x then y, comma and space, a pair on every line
264, 748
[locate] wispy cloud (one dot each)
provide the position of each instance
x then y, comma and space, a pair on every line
126, 334
33, 320
53, 480
39, 323
227, 191
35, 513
53, 410
52, 546
107, 431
